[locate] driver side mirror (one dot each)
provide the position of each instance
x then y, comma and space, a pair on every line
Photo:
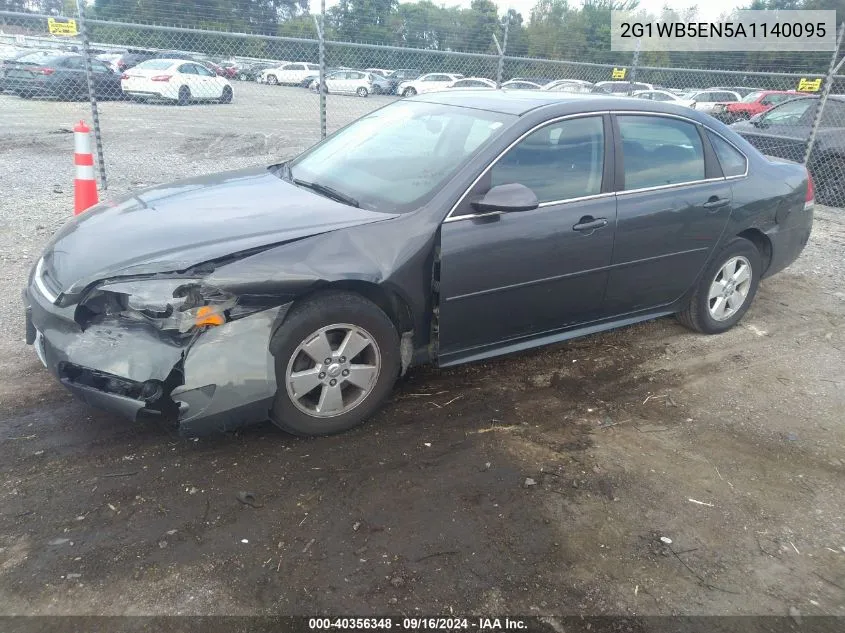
508, 198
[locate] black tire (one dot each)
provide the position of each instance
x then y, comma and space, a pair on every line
318, 311
362, 92
696, 316
227, 95
184, 96
409, 92
376, 89
272, 80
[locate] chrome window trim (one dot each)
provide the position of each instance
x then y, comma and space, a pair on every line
673, 185
469, 216
39, 282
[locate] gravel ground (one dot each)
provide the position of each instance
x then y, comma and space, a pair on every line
534, 484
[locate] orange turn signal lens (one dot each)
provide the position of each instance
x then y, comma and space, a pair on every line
207, 316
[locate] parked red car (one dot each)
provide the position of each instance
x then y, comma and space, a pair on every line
752, 104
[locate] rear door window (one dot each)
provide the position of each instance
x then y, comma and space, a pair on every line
659, 151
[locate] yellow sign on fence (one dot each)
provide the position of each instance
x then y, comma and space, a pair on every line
809, 85
62, 26
619, 73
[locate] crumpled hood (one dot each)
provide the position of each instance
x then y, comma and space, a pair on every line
175, 226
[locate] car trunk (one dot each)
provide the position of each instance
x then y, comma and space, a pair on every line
27, 70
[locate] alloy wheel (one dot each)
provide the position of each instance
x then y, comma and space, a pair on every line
333, 370
729, 288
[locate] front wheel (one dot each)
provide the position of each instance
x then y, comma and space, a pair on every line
184, 96
409, 92
726, 289
272, 80
227, 95
337, 358
362, 92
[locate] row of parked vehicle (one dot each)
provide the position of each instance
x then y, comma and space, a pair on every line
169, 75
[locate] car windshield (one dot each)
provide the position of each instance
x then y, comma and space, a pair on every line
398, 157
154, 64
751, 98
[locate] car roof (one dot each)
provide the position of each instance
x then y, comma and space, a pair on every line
521, 102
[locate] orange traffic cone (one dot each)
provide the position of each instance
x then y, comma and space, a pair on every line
84, 185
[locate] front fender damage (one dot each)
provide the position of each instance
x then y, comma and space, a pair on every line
220, 379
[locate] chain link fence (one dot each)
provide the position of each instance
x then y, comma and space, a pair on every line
245, 99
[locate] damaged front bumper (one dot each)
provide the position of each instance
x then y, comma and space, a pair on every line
220, 379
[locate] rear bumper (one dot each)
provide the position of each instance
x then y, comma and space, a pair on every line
41, 86
788, 240
149, 93
220, 379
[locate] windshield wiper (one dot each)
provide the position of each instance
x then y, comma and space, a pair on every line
324, 190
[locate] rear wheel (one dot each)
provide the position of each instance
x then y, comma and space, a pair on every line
184, 96
337, 358
376, 89
726, 289
362, 92
227, 95
272, 80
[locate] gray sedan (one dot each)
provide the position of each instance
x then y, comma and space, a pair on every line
443, 229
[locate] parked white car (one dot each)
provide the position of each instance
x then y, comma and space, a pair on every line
665, 96
177, 80
291, 74
349, 82
521, 84
473, 82
706, 100
624, 87
432, 82
569, 85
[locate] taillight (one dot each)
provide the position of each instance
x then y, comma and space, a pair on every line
160, 78
810, 198
46, 71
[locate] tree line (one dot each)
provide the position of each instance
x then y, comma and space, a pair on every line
553, 29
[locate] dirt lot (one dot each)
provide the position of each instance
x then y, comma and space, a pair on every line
536, 484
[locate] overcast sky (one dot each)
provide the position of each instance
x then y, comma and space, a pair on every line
707, 9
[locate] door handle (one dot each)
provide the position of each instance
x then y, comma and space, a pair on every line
588, 223
715, 203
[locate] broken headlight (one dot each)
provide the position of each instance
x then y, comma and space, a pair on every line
177, 305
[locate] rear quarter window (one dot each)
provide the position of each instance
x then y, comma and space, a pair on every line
733, 162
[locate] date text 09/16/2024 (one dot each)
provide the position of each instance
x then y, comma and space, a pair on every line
419, 624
